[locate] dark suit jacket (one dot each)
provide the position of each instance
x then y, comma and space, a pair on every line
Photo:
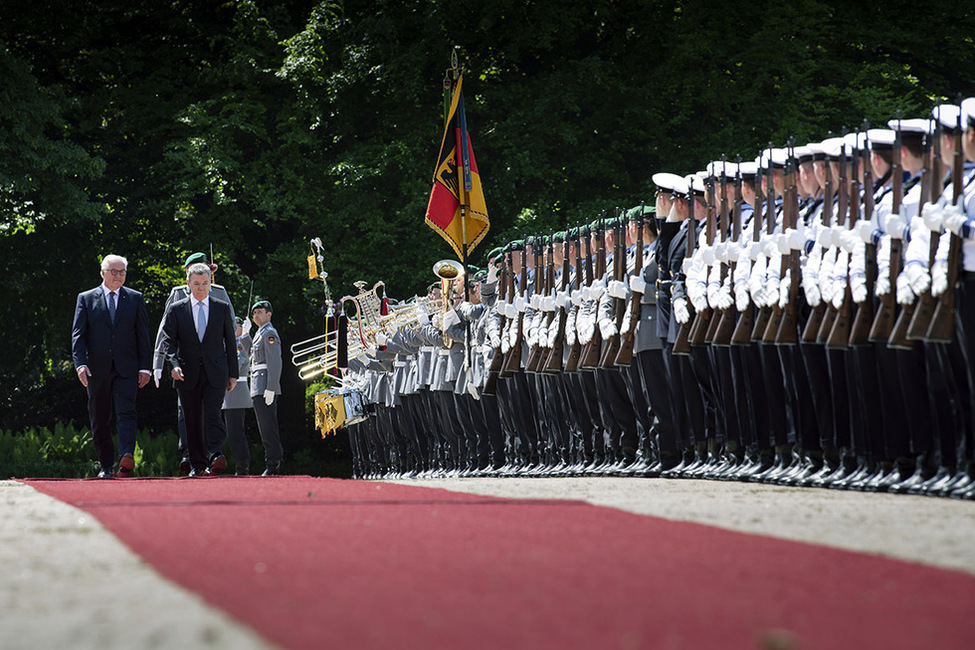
216, 354
98, 344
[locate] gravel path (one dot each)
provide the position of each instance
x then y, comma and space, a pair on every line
67, 582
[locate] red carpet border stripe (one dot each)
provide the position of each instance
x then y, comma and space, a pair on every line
313, 563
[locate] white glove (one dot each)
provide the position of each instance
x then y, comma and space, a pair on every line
268, 397
495, 339
837, 235
681, 315
759, 297
421, 315
813, 296
697, 293
905, 295
782, 243
784, 289
796, 238
521, 304
933, 217
577, 297
548, 304
882, 286
381, 339
156, 376
608, 328
895, 226
839, 295
919, 277
858, 287
824, 237
954, 221
637, 284
722, 252
864, 230
725, 300
450, 319
939, 277
535, 301
246, 326
772, 290
707, 255
754, 250
848, 240
597, 290
741, 297
561, 298
770, 245
617, 289
492, 274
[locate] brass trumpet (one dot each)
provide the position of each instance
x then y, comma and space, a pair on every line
447, 271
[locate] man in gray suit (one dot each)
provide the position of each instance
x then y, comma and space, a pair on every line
198, 335
266, 384
110, 349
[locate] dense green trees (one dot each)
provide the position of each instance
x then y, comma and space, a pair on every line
252, 126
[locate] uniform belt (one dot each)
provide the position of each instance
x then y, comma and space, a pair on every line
664, 285
259, 366
444, 352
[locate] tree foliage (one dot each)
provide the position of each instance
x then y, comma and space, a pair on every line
156, 129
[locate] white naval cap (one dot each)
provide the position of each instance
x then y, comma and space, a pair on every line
748, 169
914, 125
968, 113
670, 182
696, 182
881, 138
947, 115
856, 140
778, 157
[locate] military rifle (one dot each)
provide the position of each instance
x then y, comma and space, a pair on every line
611, 347
512, 362
765, 313
814, 325
883, 320
729, 317
497, 359
682, 344
624, 358
842, 208
589, 360
925, 304
839, 335
746, 322
942, 328
538, 293
788, 332
702, 319
860, 330
575, 351
553, 363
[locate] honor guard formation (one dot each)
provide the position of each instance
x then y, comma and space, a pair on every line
806, 319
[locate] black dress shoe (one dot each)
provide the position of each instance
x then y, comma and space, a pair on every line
272, 470
106, 473
218, 463
184, 466
198, 472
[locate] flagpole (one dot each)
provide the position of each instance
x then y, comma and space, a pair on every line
463, 188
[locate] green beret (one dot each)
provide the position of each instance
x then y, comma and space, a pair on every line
240, 321
196, 258
516, 245
496, 253
633, 214
479, 276
559, 237
262, 304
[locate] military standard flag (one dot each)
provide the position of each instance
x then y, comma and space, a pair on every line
457, 184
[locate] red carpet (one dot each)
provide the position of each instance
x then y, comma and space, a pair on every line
312, 563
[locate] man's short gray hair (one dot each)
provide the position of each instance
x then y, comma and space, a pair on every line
198, 269
110, 259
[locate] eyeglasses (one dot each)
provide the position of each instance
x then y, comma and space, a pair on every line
115, 272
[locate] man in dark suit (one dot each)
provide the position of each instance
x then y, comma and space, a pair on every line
112, 355
201, 349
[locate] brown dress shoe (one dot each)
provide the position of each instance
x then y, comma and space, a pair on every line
125, 466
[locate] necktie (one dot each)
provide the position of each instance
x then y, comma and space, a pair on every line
111, 306
201, 322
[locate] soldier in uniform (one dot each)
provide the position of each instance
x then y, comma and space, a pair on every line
266, 384
236, 403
